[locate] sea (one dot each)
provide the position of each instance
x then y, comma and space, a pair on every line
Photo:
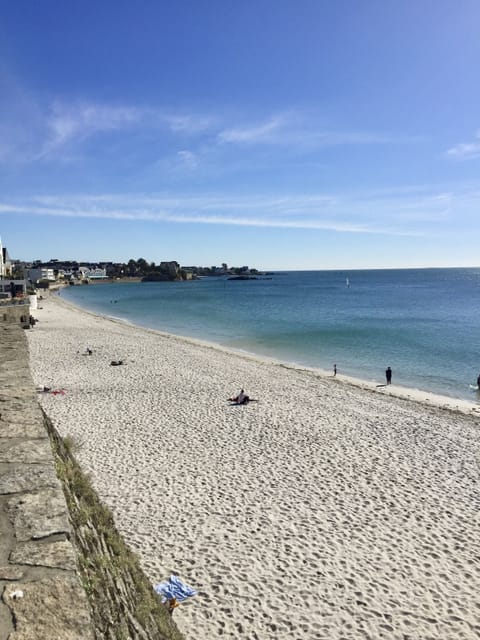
423, 323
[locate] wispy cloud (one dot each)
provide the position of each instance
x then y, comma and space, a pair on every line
188, 159
67, 123
398, 214
302, 132
260, 133
187, 123
59, 131
31, 131
140, 214
466, 150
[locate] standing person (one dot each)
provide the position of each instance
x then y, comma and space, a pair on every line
388, 375
478, 382
334, 370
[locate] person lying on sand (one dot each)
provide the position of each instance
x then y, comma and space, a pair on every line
87, 352
242, 398
54, 392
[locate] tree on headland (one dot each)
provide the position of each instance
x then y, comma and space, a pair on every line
131, 267
142, 266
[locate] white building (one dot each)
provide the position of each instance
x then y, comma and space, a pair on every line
19, 287
92, 274
41, 273
8, 286
5, 262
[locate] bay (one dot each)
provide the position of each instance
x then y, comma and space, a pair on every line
424, 323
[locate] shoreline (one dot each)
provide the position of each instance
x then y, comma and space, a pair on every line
398, 391
324, 510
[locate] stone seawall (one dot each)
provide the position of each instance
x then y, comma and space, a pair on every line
65, 572
16, 312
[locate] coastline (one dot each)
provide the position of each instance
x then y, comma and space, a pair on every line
428, 355
328, 509
394, 390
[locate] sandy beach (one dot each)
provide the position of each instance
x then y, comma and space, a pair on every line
327, 509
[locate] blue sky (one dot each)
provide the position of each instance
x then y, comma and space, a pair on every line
273, 133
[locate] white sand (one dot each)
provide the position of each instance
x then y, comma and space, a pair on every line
324, 510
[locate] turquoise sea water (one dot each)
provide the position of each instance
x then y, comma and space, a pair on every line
424, 323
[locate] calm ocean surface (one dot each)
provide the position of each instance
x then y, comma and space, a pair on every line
424, 323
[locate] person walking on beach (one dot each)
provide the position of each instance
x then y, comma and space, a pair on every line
334, 370
478, 382
388, 375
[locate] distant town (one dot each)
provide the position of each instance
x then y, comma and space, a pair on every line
17, 276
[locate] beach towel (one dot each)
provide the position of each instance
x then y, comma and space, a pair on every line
174, 588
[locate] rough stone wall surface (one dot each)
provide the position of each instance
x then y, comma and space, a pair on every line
41, 594
15, 313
